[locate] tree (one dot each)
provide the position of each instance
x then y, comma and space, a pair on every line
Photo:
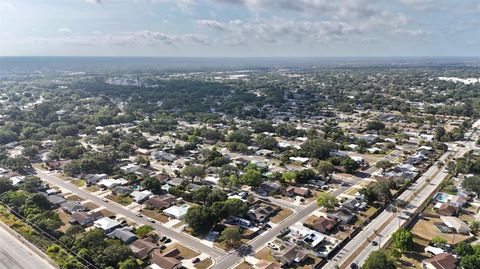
5, 185
193, 171
378, 260
325, 168
74, 230
199, 219
472, 184
383, 164
375, 125
470, 262
327, 200
232, 237
230, 182
369, 194
463, 249
289, 176
200, 195
350, 164
251, 177
216, 195
130, 263
266, 142
240, 136
382, 189
143, 230
152, 184
475, 226
317, 148
403, 240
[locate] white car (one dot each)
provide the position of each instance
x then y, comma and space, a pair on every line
150, 219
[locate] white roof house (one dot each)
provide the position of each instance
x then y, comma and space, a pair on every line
130, 168
140, 196
456, 224
106, 224
111, 183
177, 212
17, 180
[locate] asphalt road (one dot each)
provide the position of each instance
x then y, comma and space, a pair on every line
357, 250
184, 239
16, 255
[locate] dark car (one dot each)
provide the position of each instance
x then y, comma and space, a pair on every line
168, 240
374, 243
196, 260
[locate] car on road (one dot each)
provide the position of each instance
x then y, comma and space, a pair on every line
353, 266
345, 183
105, 200
268, 226
139, 215
374, 243
150, 219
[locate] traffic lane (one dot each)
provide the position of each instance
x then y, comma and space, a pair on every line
14, 254
184, 239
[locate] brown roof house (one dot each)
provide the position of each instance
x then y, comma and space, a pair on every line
144, 248
162, 201
291, 254
290, 191
324, 224
166, 262
440, 261
447, 209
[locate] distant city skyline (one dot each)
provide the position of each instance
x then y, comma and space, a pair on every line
240, 28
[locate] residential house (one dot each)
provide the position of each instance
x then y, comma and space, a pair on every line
290, 254
440, 261
93, 179
162, 201
142, 172
446, 209
84, 218
56, 200
166, 262
324, 224
143, 248
455, 224
72, 207
106, 224
291, 191
344, 215
177, 212
125, 234
260, 212
141, 196
130, 168
162, 177
270, 186
122, 190
163, 156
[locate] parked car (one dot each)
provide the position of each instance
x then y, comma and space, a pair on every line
163, 238
196, 260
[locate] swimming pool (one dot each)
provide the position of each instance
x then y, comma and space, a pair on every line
441, 197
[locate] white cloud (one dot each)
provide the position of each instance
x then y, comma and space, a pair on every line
64, 30
129, 39
283, 31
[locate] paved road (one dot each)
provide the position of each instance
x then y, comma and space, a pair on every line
382, 227
184, 239
301, 213
16, 255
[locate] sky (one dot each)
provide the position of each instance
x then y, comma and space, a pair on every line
240, 28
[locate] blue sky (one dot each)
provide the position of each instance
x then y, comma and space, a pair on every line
240, 27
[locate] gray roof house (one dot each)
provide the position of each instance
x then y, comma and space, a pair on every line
56, 200
72, 207
125, 234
